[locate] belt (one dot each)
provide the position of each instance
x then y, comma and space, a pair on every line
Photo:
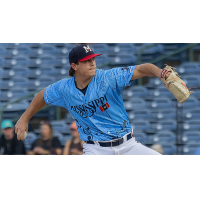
113, 143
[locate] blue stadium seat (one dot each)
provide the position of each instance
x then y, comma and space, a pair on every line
123, 60
62, 72
100, 48
187, 68
164, 114
1, 73
17, 61
44, 50
101, 61
123, 48
18, 51
140, 137
134, 104
171, 47
192, 102
159, 103
6, 45
16, 82
140, 125
151, 53
43, 60
16, 72
191, 80
191, 114
28, 141
27, 45
191, 137
2, 62
63, 51
13, 94
189, 149
160, 92
1, 83
169, 125
49, 113
42, 71
15, 110
135, 91
159, 48
139, 114
41, 82
70, 46
57, 44
153, 82
62, 60
164, 137
196, 93
191, 125
169, 149
59, 126
2, 52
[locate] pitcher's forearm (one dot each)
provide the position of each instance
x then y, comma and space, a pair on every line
37, 104
150, 70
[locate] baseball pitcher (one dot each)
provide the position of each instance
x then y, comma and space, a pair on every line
94, 99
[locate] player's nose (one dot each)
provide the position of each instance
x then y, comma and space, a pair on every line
92, 61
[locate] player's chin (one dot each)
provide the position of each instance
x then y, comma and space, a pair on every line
92, 72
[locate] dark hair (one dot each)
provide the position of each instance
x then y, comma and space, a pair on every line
72, 71
51, 133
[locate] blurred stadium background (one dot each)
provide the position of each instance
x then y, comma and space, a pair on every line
155, 115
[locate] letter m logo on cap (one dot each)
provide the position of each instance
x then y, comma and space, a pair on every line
87, 49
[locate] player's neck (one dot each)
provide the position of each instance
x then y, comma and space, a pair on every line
81, 82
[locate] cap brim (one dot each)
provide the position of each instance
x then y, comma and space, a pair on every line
89, 57
6, 127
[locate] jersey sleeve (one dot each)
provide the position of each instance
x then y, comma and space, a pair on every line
119, 78
53, 94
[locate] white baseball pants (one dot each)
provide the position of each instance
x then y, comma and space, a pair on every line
130, 147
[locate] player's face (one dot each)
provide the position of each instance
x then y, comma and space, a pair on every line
87, 68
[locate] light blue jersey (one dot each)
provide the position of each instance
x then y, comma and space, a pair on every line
100, 114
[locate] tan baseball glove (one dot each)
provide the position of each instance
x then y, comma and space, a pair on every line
175, 85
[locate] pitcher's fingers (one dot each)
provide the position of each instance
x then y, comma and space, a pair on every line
18, 134
16, 129
22, 136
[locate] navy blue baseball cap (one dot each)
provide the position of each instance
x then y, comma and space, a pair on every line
81, 53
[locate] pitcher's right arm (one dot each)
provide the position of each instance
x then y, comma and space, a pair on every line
22, 124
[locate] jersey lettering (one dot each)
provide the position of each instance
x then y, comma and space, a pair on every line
89, 108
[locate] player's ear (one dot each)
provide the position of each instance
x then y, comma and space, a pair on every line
73, 65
